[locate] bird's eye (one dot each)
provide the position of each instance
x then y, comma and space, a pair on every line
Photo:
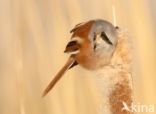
105, 38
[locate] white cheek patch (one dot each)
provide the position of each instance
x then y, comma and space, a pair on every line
99, 39
101, 45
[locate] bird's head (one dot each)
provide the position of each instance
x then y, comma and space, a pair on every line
92, 43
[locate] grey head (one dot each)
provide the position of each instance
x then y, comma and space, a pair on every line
103, 36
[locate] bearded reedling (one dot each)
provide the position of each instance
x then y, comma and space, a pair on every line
97, 46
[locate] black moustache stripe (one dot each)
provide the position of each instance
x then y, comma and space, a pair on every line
105, 38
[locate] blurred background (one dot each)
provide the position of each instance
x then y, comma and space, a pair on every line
33, 35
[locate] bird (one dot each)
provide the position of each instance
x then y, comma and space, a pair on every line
96, 45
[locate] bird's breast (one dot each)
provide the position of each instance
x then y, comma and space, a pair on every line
89, 60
